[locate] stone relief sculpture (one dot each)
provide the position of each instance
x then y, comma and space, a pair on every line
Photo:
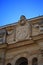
2, 36
22, 31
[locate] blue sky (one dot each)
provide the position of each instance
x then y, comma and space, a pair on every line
11, 10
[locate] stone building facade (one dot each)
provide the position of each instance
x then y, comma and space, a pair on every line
21, 43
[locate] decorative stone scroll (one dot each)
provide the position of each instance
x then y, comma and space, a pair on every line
2, 36
11, 38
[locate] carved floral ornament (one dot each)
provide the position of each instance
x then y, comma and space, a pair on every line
22, 20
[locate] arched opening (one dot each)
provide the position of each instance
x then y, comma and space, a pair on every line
35, 61
22, 61
9, 64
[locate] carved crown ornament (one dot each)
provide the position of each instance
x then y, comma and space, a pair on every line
22, 20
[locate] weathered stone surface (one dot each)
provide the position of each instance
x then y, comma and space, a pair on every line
23, 40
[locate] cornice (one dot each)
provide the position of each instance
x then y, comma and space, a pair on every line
14, 24
35, 18
37, 37
22, 43
3, 46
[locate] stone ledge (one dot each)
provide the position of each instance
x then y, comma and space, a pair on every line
20, 43
37, 37
3, 46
